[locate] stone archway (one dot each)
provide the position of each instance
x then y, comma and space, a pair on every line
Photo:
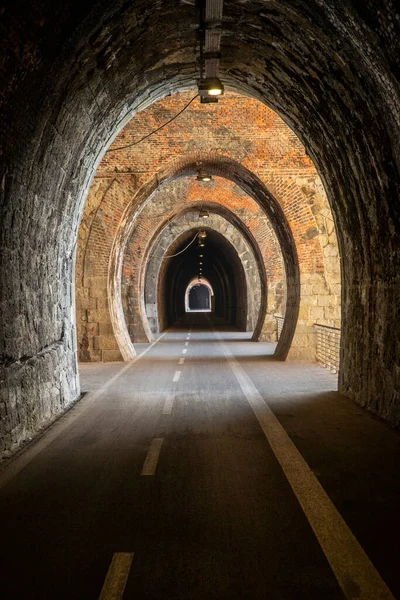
190, 305
226, 168
252, 265
199, 298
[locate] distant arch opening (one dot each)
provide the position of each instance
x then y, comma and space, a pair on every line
199, 297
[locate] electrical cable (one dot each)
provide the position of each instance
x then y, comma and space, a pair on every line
189, 244
156, 130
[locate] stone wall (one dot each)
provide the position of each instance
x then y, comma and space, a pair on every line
73, 73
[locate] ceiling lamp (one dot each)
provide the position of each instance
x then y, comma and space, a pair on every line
201, 237
203, 176
210, 86
204, 214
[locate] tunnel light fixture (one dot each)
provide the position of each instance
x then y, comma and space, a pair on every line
203, 213
202, 236
202, 174
204, 177
210, 86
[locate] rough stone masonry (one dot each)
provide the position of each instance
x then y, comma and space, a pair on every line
73, 73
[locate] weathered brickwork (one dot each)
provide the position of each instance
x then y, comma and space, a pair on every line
172, 199
73, 73
262, 142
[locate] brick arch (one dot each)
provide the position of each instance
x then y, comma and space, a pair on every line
245, 248
266, 147
226, 168
224, 198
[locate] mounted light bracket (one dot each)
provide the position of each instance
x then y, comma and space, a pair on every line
208, 100
204, 177
210, 86
203, 213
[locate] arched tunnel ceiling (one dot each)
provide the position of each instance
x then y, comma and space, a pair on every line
221, 220
221, 267
330, 69
253, 186
264, 143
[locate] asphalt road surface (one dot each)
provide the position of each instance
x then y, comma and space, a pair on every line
204, 470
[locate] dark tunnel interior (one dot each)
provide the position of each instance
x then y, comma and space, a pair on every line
199, 297
220, 266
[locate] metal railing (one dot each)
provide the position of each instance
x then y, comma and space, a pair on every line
279, 326
328, 346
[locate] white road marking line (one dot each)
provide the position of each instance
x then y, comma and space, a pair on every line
186, 343
176, 376
150, 464
351, 566
169, 403
117, 576
63, 422
184, 351
181, 361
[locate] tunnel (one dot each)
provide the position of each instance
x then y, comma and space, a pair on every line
199, 298
210, 257
248, 449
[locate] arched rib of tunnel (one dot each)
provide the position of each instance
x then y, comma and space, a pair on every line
221, 166
331, 69
222, 220
221, 267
